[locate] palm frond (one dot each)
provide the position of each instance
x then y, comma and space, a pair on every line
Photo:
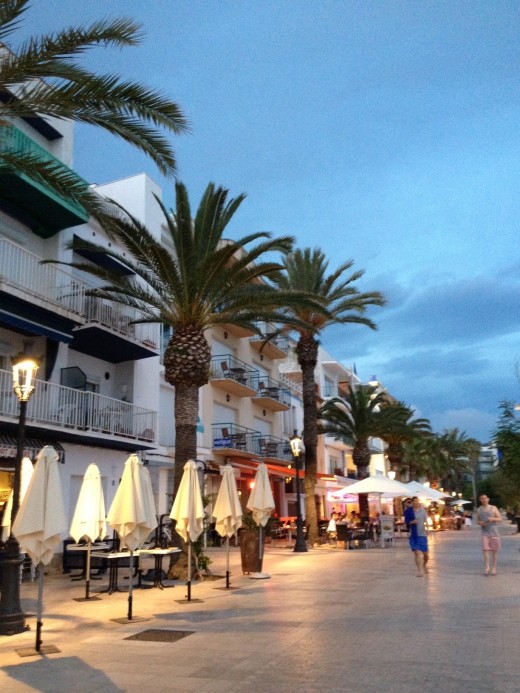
43, 78
11, 12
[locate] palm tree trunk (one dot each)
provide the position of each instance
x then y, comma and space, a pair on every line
361, 458
186, 411
307, 352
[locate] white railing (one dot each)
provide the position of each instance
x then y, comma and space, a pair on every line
72, 409
22, 269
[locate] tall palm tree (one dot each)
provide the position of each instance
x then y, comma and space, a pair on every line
306, 270
355, 419
404, 428
43, 77
422, 457
456, 449
204, 281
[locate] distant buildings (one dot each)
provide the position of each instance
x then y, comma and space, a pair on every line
487, 462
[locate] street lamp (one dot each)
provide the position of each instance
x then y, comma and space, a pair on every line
12, 619
296, 448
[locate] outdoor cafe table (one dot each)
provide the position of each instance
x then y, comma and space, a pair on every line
113, 559
158, 555
100, 546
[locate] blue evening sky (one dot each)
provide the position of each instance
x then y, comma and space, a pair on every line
386, 132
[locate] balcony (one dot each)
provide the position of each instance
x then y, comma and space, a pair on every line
77, 414
273, 449
276, 348
48, 300
32, 202
233, 376
232, 440
36, 298
272, 395
110, 333
237, 330
335, 390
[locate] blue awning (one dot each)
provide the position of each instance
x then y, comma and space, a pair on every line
33, 326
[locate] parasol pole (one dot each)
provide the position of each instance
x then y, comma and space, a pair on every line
227, 563
130, 581
87, 581
260, 549
188, 584
39, 609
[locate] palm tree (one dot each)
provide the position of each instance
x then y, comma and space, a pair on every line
355, 419
306, 270
203, 282
403, 429
422, 458
44, 78
457, 450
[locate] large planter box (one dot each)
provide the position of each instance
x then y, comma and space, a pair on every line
250, 551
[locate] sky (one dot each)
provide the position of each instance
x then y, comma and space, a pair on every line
381, 132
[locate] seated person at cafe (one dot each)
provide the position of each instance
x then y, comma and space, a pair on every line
331, 527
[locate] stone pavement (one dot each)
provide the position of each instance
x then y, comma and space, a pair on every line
329, 620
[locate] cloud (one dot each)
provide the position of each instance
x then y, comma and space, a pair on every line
456, 312
448, 348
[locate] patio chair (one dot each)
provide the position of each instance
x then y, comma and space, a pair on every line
262, 447
343, 534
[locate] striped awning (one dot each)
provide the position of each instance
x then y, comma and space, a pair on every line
8, 445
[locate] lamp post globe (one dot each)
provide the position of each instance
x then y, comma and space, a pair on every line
300, 545
12, 618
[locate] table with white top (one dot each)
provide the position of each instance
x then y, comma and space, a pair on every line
158, 555
113, 559
98, 546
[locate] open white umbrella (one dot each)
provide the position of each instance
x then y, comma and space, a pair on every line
421, 491
41, 519
261, 504
227, 510
132, 513
188, 512
381, 486
89, 516
27, 471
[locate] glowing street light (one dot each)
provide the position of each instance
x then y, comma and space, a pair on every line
12, 619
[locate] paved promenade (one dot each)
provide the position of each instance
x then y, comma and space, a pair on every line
330, 620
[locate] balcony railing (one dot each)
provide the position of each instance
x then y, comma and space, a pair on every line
23, 270
269, 446
234, 439
230, 368
121, 319
269, 389
77, 410
276, 348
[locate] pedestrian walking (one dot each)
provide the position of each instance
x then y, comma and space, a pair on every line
416, 520
488, 517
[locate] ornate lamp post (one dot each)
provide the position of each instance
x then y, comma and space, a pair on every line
296, 449
12, 619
